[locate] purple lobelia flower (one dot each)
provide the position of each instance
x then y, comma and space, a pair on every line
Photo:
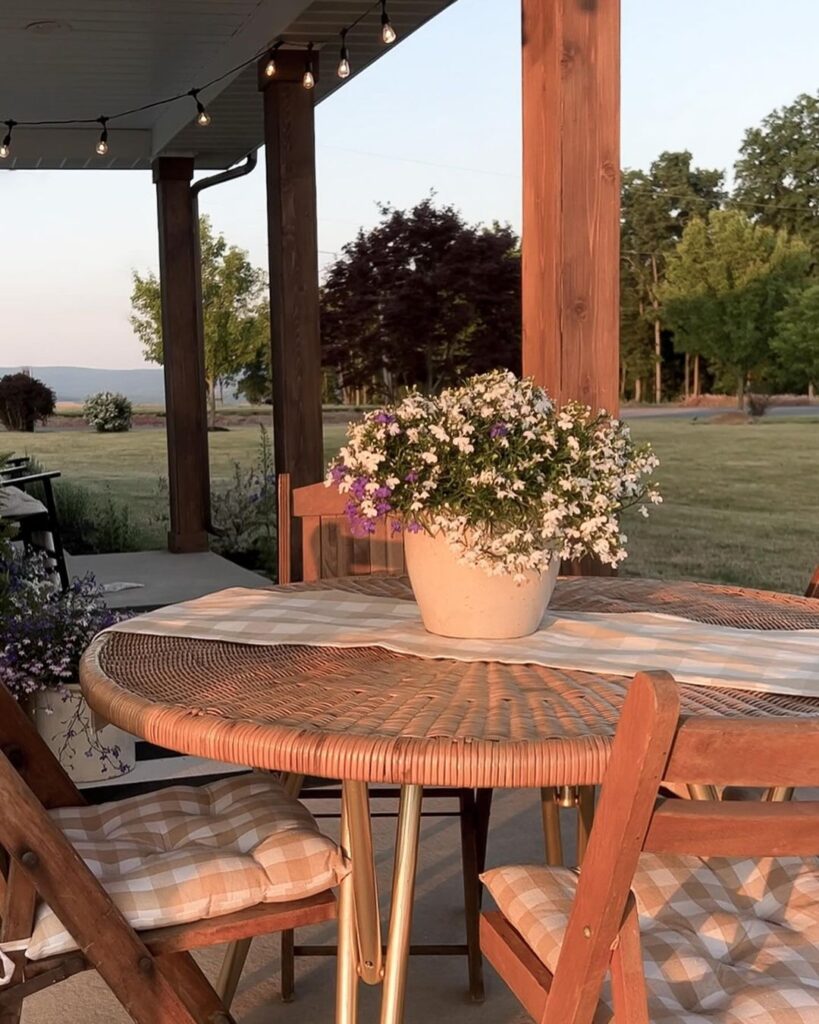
498, 430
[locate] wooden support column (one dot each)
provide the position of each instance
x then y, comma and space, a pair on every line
292, 234
571, 198
183, 355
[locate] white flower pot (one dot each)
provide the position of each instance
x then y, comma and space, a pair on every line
464, 601
68, 726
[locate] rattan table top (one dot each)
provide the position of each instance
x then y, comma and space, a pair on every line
373, 715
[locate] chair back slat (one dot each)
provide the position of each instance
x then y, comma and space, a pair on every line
712, 828
328, 546
639, 756
746, 752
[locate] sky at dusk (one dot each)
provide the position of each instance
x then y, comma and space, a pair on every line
440, 112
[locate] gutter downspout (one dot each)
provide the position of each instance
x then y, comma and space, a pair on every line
240, 171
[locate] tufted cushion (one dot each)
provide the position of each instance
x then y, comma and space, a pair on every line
724, 942
188, 853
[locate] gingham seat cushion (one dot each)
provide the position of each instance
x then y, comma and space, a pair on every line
187, 853
724, 942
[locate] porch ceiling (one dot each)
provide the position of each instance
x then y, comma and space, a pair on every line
97, 57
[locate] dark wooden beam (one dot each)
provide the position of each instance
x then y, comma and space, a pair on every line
184, 355
571, 198
293, 265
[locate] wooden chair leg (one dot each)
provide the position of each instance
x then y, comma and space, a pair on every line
628, 983
550, 811
288, 986
472, 890
11, 1012
585, 819
194, 989
231, 970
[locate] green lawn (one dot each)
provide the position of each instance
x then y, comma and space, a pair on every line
741, 502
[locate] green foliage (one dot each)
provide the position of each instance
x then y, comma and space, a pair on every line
234, 306
777, 174
94, 524
726, 281
656, 207
796, 341
245, 512
108, 412
24, 401
423, 298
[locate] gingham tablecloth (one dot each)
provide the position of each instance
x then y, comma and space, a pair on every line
773, 661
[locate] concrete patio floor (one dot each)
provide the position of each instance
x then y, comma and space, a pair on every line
437, 985
163, 578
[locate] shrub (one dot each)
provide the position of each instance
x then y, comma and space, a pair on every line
245, 512
108, 412
757, 404
24, 401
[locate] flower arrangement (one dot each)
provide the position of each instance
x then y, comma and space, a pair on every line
508, 477
45, 631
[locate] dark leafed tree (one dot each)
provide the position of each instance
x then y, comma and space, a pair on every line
777, 174
656, 206
423, 298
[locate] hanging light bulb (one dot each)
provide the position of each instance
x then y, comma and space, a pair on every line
270, 67
102, 145
343, 70
308, 79
388, 33
5, 145
202, 116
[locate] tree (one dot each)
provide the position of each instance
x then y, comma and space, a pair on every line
24, 401
796, 342
656, 206
422, 298
234, 312
725, 283
777, 174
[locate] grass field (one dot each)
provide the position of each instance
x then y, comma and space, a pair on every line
741, 501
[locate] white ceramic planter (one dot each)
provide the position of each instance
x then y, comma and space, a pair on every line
70, 731
463, 601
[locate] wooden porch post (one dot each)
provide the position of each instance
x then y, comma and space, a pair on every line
571, 198
183, 355
293, 265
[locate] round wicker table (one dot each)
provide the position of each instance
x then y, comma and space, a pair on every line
368, 715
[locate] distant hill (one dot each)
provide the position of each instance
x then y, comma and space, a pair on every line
76, 383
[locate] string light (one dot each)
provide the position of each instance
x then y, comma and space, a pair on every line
270, 67
5, 145
343, 70
388, 33
202, 116
308, 79
102, 145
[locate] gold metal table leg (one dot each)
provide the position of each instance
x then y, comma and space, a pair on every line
403, 890
779, 794
365, 889
347, 966
550, 811
697, 791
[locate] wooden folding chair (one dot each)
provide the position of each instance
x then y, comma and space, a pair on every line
150, 972
555, 946
39, 522
813, 586
329, 550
